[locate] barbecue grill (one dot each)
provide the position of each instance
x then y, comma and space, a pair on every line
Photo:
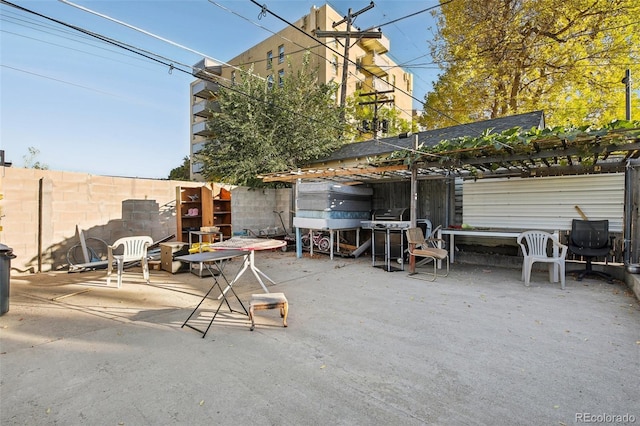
398, 215
387, 233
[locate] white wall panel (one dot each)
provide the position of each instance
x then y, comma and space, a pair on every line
544, 202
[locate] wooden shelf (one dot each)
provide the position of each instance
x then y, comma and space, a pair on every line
214, 209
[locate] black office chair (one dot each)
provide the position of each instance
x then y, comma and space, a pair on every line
589, 239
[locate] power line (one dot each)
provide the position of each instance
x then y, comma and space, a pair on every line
264, 9
75, 50
303, 48
164, 61
428, 9
60, 81
218, 62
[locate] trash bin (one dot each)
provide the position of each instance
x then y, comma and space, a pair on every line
6, 254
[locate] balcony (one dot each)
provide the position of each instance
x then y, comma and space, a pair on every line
372, 84
197, 147
204, 108
204, 89
201, 129
376, 45
206, 68
376, 64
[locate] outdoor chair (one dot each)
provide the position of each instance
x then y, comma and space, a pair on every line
427, 249
535, 248
589, 239
134, 251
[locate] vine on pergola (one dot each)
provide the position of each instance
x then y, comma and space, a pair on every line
587, 142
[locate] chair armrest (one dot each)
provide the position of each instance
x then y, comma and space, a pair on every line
436, 242
114, 246
563, 248
110, 249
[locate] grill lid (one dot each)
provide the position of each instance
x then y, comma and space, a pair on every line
391, 214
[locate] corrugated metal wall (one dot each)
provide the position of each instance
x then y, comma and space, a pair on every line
544, 203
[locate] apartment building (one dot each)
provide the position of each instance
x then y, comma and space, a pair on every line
369, 69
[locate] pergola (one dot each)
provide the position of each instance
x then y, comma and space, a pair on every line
547, 155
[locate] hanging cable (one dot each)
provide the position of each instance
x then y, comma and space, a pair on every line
303, 48
149, 34
354, 63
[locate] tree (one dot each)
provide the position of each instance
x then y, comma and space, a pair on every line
503, 57
181, 172
265, 127
30, 160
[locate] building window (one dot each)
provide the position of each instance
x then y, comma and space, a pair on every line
270, 81
281, 53
281, 78
269, 59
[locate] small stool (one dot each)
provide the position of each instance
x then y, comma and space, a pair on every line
268, 301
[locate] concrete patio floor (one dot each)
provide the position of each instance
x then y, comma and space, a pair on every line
363, 347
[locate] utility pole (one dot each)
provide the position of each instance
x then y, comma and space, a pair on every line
627, 82
375, 103
347, 36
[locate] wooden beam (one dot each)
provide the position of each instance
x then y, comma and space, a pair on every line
333, 172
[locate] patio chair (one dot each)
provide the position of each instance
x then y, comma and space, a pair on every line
134, 250
535, 248
427, 249
589, 239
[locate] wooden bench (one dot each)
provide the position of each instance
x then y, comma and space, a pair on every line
268, 301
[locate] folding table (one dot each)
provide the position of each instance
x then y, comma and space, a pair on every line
249, 245
219, 259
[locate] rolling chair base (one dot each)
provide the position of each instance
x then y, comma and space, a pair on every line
581, 273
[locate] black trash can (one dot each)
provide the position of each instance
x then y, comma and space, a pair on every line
6, 254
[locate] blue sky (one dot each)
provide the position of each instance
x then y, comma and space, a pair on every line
87, 106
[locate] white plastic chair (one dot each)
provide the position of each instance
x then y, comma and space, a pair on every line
135, 250
535, 248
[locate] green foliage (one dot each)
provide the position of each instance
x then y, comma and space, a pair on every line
263, 129
519, 141
502, 57
181, 172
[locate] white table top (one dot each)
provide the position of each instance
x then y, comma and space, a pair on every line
248, 243
210, 256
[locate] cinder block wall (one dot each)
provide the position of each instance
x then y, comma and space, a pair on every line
104, 207
254, 209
